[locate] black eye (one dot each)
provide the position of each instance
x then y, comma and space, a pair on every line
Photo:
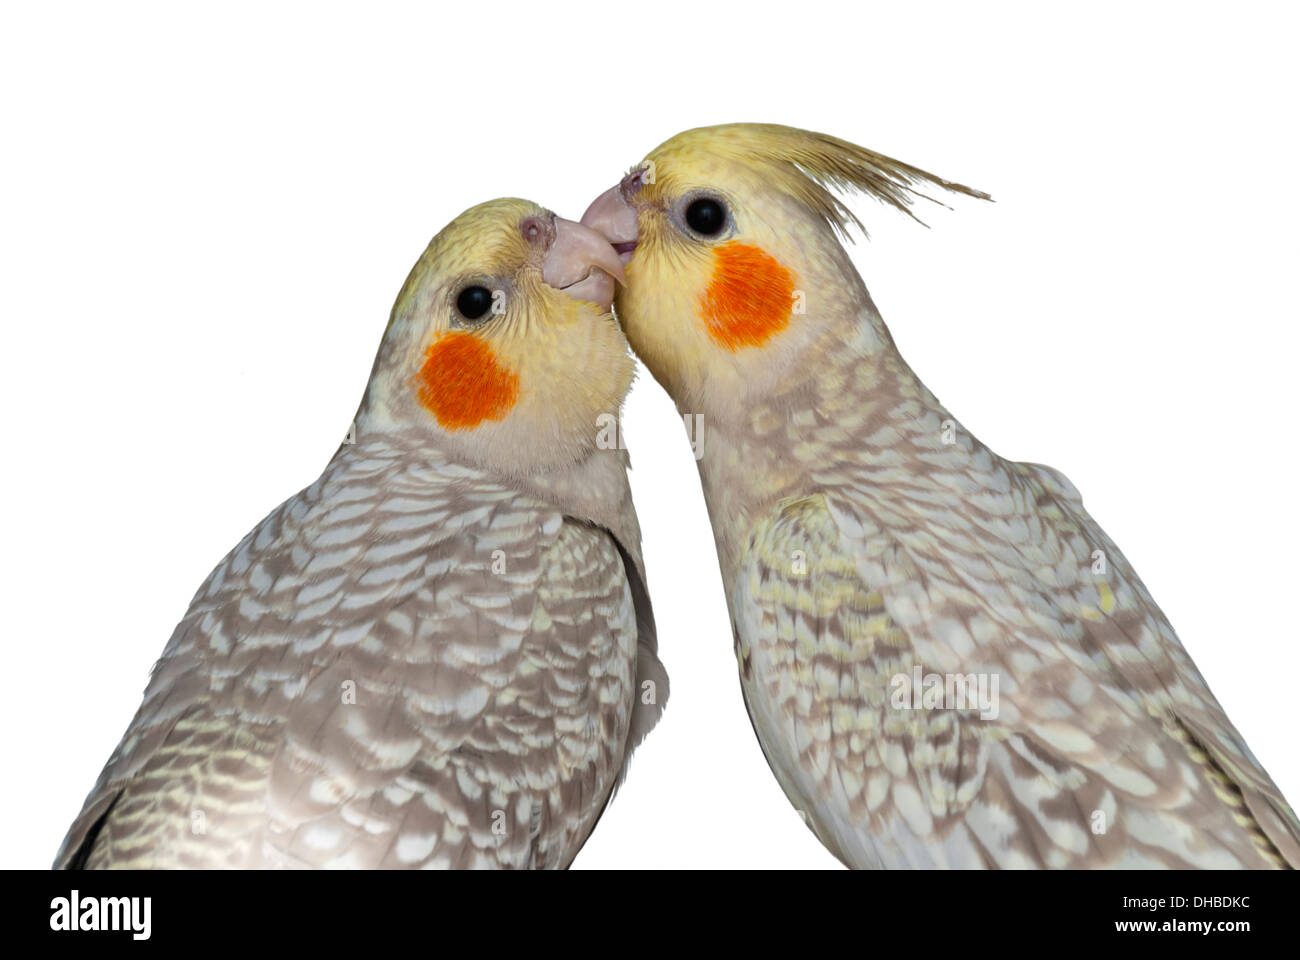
706, 216
473, 302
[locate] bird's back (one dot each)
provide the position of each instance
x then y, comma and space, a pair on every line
957, 571
404, 665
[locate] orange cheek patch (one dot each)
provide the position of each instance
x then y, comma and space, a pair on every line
462, 384
749, 298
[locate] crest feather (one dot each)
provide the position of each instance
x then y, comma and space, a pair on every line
813, 167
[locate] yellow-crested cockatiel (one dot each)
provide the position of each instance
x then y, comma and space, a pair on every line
946, 661
441, 653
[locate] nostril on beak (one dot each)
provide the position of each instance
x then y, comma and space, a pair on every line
537, 229
631, 185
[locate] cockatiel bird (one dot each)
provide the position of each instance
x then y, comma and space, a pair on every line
946, 661
441, 653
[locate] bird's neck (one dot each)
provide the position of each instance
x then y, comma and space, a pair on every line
850, 406
593, 488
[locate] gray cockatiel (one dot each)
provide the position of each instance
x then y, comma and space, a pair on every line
946, 660
441, 653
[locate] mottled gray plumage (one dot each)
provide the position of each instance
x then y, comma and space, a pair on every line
418, 661
865, 535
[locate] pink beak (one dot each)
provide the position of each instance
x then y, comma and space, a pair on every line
614, 218
582, 264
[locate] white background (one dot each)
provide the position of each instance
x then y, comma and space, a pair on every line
206, 216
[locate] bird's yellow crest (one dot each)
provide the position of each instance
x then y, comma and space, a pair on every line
732, 240
811, 167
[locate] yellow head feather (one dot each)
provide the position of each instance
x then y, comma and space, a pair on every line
520, 388
808, 166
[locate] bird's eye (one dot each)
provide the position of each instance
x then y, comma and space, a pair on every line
706, 216
474, 302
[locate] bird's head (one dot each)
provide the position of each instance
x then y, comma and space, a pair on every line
731, 236
502, 342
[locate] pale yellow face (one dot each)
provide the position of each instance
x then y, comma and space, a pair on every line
483, 350
735, 267
717, 286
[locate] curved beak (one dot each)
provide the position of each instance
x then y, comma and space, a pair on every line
615, 219
582, 264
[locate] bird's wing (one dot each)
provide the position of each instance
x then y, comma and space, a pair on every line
869, 667
1193, 715
396, 668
